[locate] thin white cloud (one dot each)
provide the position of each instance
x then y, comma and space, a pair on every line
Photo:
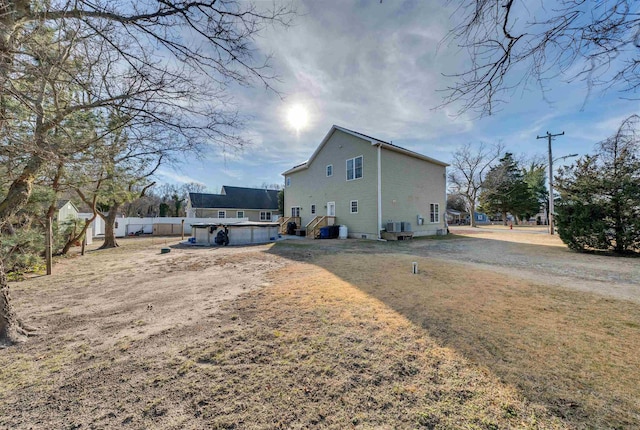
377, 68
234, 174
170, 176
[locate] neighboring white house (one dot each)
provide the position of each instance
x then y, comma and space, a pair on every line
366, 183
254, 204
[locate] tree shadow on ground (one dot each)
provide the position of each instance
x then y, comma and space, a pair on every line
573, 352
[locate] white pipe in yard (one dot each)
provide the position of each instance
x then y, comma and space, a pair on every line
414, 269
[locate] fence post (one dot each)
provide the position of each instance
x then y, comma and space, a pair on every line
49, 246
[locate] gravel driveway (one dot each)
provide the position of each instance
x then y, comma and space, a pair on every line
532, 254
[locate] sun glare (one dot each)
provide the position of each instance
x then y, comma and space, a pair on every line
298, 117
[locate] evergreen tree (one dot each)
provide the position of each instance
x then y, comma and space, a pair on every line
534, 176
600, 195
456, 202
281, 201
505, 190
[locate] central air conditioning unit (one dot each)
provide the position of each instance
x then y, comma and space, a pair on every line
405, 226
394, 227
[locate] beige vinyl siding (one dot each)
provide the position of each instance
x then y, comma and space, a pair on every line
409, 186
312, 186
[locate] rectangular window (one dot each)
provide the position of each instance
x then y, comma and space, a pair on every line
265, 216
434, 212
222, 214
354, 206
354, 168
330, 170
240, 214
288, 182
313, 209
295, 211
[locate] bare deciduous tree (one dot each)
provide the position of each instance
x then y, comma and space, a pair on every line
514, 43
165, 63
468, 171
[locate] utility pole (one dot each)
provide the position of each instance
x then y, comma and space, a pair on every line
549, 136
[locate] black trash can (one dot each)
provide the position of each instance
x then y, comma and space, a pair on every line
291, 227
334, 231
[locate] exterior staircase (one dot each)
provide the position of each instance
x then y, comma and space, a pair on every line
286, 220
314, 226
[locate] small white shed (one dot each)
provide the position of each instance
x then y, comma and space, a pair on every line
97, 226
66, 210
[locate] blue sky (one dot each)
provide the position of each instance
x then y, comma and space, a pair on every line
378, 69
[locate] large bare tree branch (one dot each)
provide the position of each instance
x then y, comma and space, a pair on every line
160, 68
514, 43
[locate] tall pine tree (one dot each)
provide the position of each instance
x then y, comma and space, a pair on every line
505, 191
600, 195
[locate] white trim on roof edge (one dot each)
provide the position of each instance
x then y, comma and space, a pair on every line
412, 154
383, 144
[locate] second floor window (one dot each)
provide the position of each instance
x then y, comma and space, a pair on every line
354, 168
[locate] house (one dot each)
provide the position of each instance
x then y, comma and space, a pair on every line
364, 183
252, 204
455, 217
481, 218
66, 210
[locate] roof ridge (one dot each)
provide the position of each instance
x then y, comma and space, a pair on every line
363, 135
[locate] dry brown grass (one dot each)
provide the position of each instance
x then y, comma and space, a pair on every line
315, 350
575, 353
327, 336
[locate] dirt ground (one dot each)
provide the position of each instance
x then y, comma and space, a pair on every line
499, 329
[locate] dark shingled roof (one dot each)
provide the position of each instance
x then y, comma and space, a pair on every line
236, 198
61, 203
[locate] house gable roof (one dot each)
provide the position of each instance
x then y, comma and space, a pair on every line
374, 141
61, 203
236, 198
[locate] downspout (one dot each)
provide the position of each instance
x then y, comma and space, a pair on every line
446, 223
379, 189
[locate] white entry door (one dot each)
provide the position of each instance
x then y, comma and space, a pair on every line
331, 208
